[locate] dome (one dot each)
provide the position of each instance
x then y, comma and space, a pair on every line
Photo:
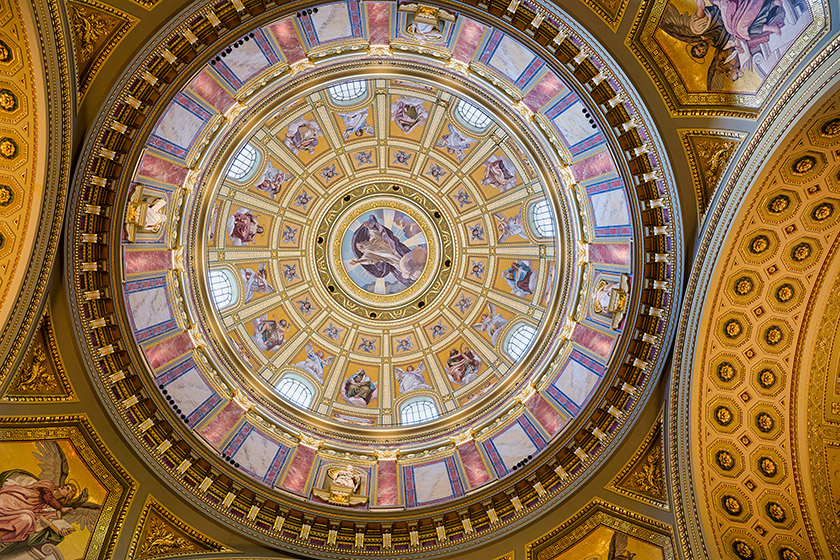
402, 269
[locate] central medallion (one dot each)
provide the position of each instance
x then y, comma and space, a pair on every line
384, 251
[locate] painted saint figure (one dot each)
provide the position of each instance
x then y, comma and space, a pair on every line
358, 389
315, 362
380, 252
409, 113
271, 181
255, 282
303, 136
509, 227
243, 227
499, 173
521, 278
411, 378
462, 365
269, 334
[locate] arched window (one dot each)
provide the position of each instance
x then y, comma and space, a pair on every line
417, 411
519, 340
244, 163
296, 391
472, 115
542, 219
345, 92
223, 288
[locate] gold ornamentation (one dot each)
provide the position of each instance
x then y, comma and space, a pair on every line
643, 477
97, 30
342, 487
44, 378
160, 534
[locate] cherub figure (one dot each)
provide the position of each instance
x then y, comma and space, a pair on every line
290, 272
368, 345
464, 303
404, 344
476, 232
463, 198
329, 173
364, 158
436, 172
477, 269
303, 199
333, 332
304, 306
401, 157
289, 235
437, 330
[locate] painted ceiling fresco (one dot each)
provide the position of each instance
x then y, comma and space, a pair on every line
396, 285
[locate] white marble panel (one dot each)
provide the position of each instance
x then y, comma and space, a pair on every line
514, 445
246, 60
576, 381
256, 453
189, 391
432, 482
149, 307
179, 126
609, 208
574, 125
332, 22
511, 58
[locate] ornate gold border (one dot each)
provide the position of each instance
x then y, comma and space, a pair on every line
594, 514
613, 486
682, 103
152, 505
612, 19
78, 429
693, 164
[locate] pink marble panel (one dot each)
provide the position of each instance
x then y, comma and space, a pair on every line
378, 23
548, 87
137, 262
212, 92
545, 414
162, 170
299, 469
473, 465
222, 423
612, 253
468, 40
286, 36
169, 349
594, 166
386, 483
593, 340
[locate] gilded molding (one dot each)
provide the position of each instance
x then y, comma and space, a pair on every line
643, 478
597, 513
161, 534
709, 153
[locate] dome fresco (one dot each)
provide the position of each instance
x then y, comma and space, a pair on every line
381, 265
385, 258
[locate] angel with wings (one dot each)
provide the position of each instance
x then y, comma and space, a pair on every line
618, 548
411, 378
315, 362
491, 322
509, 227
37, 511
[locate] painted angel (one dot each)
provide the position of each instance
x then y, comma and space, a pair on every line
269, 334
243, 227
271, 181
411, 378
255, 282
315, 362
356, 123
618, 548
39, 511
509, 227
491, 322
455, 143
499, 173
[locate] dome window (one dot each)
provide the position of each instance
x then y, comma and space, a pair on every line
473, 116
417, 411
346, 92
222, 288
243, 164
519, 340
296, 391
542, 219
